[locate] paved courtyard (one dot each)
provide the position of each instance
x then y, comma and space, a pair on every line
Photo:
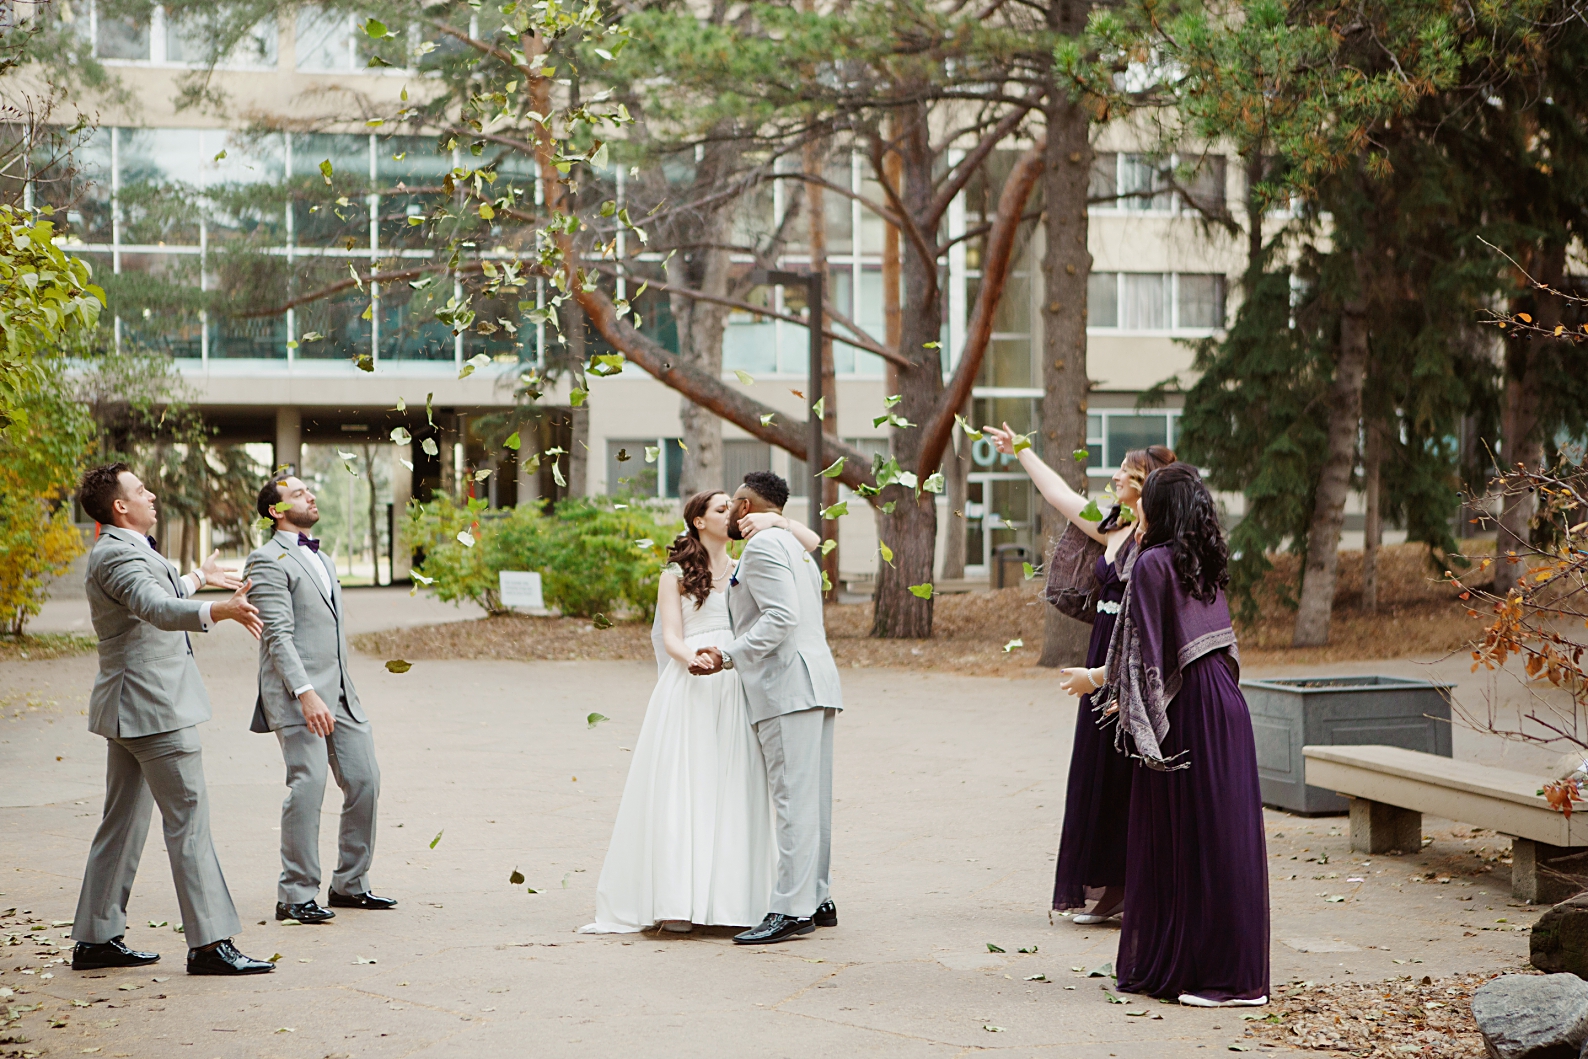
947, 803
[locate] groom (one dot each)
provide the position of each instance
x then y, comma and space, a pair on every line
780, 650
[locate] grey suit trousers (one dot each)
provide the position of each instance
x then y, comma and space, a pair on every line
349, 754
798, 748
165, 770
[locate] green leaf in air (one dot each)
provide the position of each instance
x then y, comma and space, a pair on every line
922, 591
1091, 512
1012, 644
376, 29
398, 665
437, 839
401, 436
974, 435
512, 442
828, 546
1030, 571
819, 409
887, 552
429, 445
517, 878
745, 377
934, 482
1080, 454
595, 719
834, 469
325, 170
838, 510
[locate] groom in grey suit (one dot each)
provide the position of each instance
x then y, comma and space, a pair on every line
306, 697
791, 684
147, 701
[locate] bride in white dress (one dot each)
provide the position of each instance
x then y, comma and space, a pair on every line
693, 842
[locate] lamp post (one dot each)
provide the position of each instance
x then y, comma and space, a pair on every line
816, 317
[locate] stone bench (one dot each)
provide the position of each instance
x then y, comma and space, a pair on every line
1391, 788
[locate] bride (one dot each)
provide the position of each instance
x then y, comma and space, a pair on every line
693, 840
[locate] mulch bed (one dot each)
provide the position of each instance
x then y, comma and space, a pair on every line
1407, 1016
40, 648
1417, 615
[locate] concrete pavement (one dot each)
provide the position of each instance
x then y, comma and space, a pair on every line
948, 800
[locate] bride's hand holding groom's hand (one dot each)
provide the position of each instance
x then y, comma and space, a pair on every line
707, 660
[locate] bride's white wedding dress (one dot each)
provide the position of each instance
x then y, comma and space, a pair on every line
693, 839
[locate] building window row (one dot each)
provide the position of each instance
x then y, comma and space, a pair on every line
1155, 301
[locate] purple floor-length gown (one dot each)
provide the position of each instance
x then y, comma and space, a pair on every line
1097, 798
1196, 890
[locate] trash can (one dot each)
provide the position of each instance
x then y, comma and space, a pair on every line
1006, 558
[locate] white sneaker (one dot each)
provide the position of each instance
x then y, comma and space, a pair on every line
1191, 1000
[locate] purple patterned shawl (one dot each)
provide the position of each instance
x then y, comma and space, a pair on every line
1161, 629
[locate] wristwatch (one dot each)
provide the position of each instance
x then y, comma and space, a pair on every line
727, 659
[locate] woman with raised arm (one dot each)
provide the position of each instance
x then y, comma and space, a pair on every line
693, 839
1196, 883
1097, 798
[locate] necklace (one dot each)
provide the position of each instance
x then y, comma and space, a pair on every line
716, 577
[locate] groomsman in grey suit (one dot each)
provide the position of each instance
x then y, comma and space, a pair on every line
791, 683
146, 702
306, 696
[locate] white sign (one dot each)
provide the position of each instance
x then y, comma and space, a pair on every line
521, 589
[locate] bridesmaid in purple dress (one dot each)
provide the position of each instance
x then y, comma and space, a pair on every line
1196, 885
1092, 846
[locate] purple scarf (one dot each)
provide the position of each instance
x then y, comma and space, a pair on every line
1160, 631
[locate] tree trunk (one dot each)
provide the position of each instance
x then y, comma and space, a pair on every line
892, 315
815, 163
374, 527
1334, 484
1372, 515
1254, 221
579, 452
1066, 264
911, 529
1521, 440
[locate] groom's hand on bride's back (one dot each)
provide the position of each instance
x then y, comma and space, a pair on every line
707, 660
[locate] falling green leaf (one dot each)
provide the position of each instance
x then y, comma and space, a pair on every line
486, 212
466, 538
828, 546
922, 591
376, 29
479, 360
834, 469
1079, 454
607, 364
482, 474
220, 156
365, 362
595, 719
556, 474
889, 402
974, 435
652, 452
1012, 644
1029, 570
512, 441
933, 483
827, 582
398, 665
887, 552
429, 445
1023, 441
422, 579
577, 395
433, 842
281, 507
931, 345
1091, 512
766, 420
887, 509
838, 510
401, 436
325, 170
517, 878
274, 959
312, 336
745, 377
819, 409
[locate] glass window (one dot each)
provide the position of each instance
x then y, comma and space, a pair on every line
121, 37
741, 457
1201, 301
672, 457
323, 40
1142, 179
1094, 443
1127, 432
1007, 364
627, 472
1205, 189
187, 41
1102, 299
1146, 302
1104, 183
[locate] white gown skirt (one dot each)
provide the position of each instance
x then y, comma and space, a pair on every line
694, 834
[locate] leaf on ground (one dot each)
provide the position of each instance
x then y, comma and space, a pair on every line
601, 621
595, 719
990, 1028
398, 665
433, 842
993, 948
1012, 644
1035, 977
362, 960
273, 959
1028, 950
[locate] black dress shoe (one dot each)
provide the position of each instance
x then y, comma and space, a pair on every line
826, 914
225, 959
364, 900
91, 956
304, 912
775, 927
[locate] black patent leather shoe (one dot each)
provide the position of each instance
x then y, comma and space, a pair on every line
365, 900
304, 912
225, 959
775, 927
826, 914
91, 956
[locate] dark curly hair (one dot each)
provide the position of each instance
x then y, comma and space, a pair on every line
269, 497
690, 554
99, 489
1180, 512
769, 487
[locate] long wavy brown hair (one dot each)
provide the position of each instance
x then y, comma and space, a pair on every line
689, 553
1139, 464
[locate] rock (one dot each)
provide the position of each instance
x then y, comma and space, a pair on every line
1529, 1016
1560, 938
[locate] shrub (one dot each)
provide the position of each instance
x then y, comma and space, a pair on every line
593, 557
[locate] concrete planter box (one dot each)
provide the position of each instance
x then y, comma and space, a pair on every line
1290, 713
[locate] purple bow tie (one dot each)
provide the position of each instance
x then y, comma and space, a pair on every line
153, 543
306, 541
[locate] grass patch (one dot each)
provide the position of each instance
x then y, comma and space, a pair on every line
45, 646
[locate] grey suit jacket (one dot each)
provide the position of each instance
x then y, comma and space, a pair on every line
780, 642
303, 641
148, 682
